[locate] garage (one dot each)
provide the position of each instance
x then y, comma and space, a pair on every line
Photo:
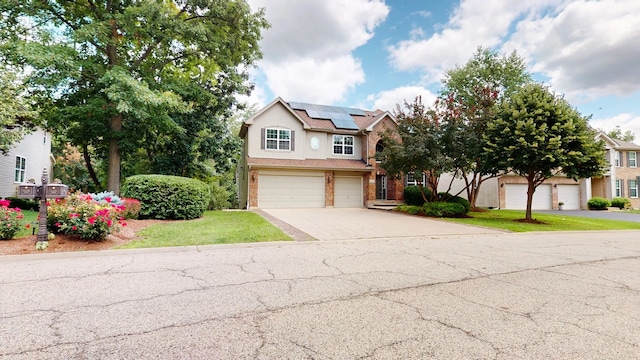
348, 191
570, 196
304, 190
516, 197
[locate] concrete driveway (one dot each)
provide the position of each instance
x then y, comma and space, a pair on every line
354, 223
595, 214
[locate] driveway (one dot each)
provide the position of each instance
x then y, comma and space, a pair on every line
355, 223
596, 214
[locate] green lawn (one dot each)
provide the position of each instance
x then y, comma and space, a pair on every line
505, 219
215, 227
30, 217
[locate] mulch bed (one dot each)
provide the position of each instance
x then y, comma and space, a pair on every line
62, 243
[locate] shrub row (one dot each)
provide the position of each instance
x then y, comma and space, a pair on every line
168, 197
598, 203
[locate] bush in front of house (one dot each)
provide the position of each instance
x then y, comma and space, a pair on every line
131, 208
412, 195
24, 204
410, 209
168, 197
620, 202
446, 197
598, 203
443, 209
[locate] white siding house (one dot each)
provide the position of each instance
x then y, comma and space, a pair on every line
25, 161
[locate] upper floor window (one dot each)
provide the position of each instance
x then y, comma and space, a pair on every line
343, 144
617, 158
411, 179
633, 188
632, 162
618, 188
278, 139
21, 169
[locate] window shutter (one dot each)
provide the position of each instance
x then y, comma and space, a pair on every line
293, 140
627, 158
629, 186
262, 140
622, 188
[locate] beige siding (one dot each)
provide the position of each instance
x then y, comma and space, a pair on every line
276, 117
37, 151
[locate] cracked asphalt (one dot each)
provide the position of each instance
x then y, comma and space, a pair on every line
572, 295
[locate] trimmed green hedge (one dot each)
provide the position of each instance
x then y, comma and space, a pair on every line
598, 203
24, 204
443, 209
167, 197
412, 195
620, 202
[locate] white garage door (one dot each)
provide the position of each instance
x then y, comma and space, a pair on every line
570, 196
348, 191
290, 191
516, 197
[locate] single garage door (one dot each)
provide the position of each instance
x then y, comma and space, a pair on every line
570, 196
348, 191
290, 191
516, 197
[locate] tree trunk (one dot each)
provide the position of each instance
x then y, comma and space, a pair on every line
113, 180
87, 162
530, 190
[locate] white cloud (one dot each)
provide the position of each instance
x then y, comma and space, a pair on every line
316, 81
586, 48
389, 99
474, 23
308, 49
626, 121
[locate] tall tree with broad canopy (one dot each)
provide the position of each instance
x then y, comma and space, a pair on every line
16, 114
537, 135
469, 99
617, 134
416, 147
112, 66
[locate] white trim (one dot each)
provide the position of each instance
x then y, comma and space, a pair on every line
277, 139
635, 159
20, 167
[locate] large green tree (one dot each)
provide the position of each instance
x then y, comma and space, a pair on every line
113, 66
537, 135
16, 114
469, 99
619, 135
416, 147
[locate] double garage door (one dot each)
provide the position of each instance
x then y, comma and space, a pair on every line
516, 197
306, 190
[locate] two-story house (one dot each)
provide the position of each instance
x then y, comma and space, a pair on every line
24, 161
623, 177
306, 155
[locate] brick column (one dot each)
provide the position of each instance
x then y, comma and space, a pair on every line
253, 188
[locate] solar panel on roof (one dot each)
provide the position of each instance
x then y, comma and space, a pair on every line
339, 116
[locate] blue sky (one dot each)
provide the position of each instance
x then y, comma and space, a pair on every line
375, 54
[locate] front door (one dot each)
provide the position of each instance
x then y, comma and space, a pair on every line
381, 187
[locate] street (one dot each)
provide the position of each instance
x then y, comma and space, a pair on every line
562, 295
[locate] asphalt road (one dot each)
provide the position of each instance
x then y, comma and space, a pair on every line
488, 296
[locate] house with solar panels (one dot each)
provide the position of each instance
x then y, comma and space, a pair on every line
299, 155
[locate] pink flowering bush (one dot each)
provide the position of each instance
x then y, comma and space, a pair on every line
131, 208
10, 220
80, 214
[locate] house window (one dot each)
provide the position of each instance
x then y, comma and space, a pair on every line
21, 169
617, 158
379, 150
411, 179
633, 188
618, 188
343, 144
278, 139
632, 159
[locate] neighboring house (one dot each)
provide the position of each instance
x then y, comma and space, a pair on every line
25, 161
623, 177
306, 155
